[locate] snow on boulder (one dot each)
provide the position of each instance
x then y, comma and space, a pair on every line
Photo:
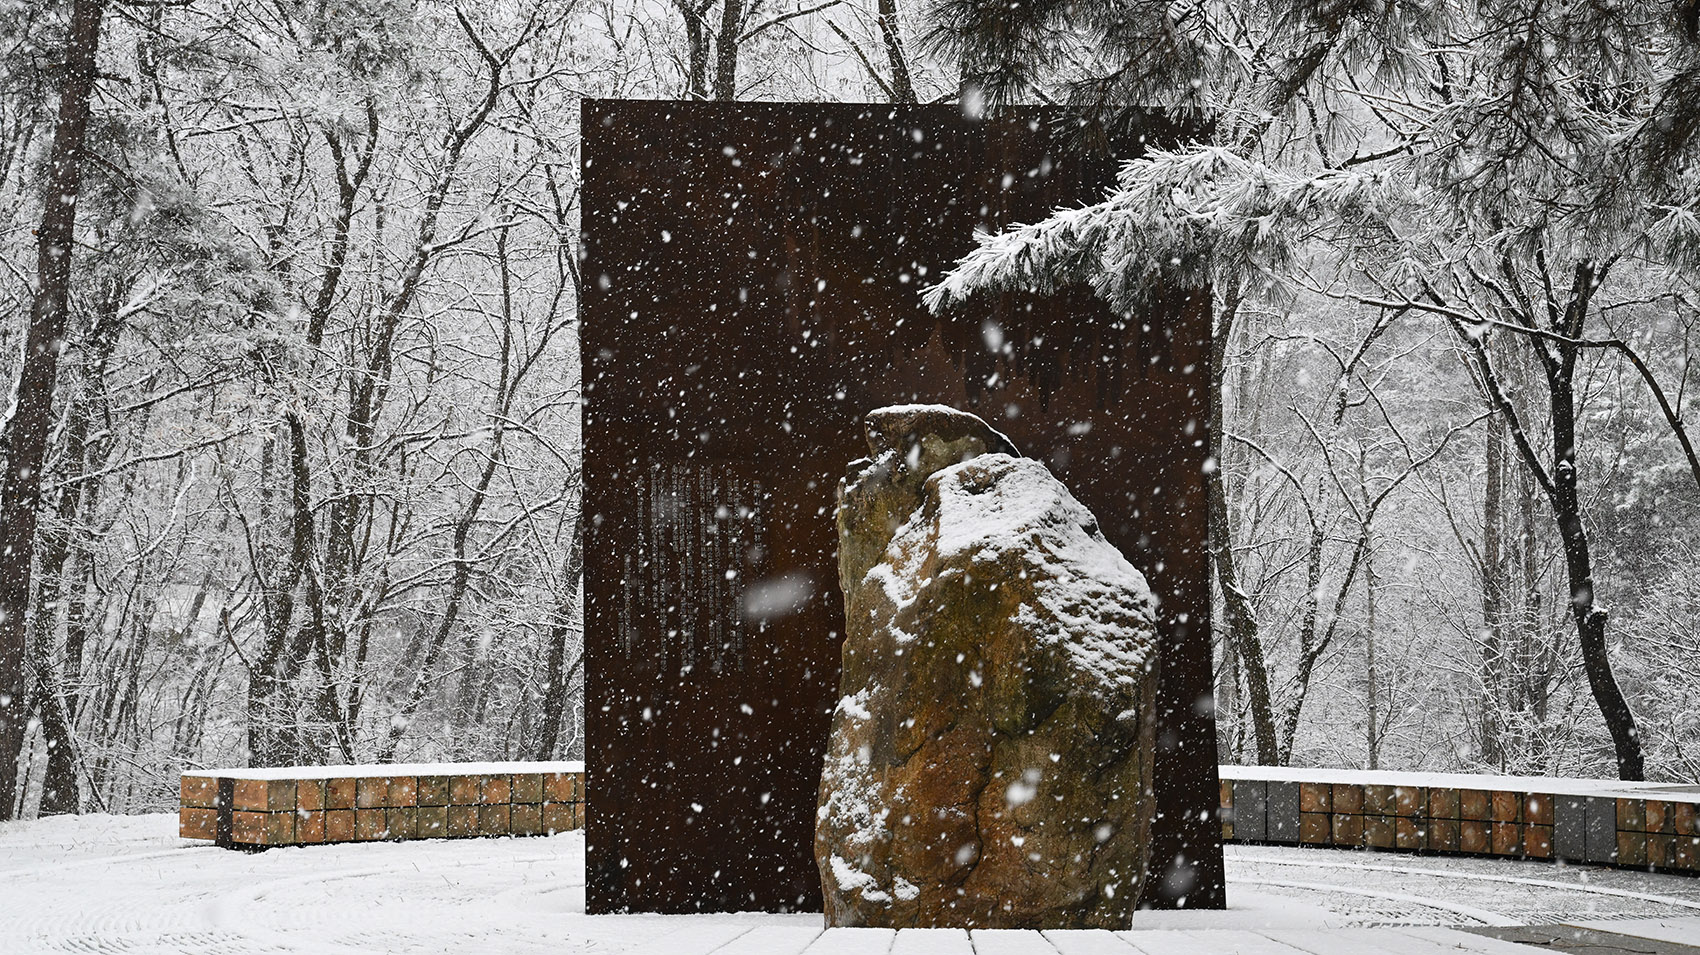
990, 759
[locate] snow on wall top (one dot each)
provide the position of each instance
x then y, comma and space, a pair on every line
396, 769
1552, 785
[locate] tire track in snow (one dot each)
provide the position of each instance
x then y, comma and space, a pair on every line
234, 912
1478, 915
37, 871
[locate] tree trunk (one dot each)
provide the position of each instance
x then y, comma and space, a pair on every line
1493, 597
726, 50
281, 658
560, 679
1590, 618
25, 433
696, 39
1242, 617
59, 793
902, 88
1373, 681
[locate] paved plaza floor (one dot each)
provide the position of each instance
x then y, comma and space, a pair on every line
129, 884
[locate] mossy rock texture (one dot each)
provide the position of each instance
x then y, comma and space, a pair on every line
990, 758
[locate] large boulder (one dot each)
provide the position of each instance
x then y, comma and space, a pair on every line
990, 758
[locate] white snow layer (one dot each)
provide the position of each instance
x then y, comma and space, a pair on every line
1084, 583
129, 884
395, 769
941, 409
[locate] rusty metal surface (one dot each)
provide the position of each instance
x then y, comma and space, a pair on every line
752, 276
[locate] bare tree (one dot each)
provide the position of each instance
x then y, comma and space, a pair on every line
25, 431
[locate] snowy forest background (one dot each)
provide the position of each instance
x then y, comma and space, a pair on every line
308, 481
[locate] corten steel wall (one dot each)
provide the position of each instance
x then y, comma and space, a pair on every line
751, 288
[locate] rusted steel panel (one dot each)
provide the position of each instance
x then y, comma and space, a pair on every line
751, 287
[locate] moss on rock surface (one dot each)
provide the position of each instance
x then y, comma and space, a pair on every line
990, 758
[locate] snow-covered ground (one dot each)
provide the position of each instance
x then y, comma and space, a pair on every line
129, 884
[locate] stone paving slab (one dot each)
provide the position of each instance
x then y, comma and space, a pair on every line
732, 939
1681, 931
1575, 940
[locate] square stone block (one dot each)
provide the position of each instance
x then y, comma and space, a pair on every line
310, 795
1348, 829
1283, 813
310, 825
527, 819
1379, 832
339, 793
1473, 804
463, 821
403, 822
248, 828
1687, 853
1601, 836
1251, 798
371, 825
1659, 817
433, 791
372, 792
1348, 798
199, 792
194, 822
1225, 792
1227, 830
1661, 850
1473, 836
528, 788
579, 809
494, 820
557, 817
248, 795
1408, 801
1443, 835
1631, 847
466, 790
1537, 841
1538, 809
1314, 828
1378, 800
264, 795
433, 822
1443, 803
1407, 833
1314, 797
1507, 806
560, 787
339, 825
1507, 839
1687, 819
1631, 815
497, 789
1570, 828
404, 791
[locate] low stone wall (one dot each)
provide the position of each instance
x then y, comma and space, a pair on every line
256, 808
1605, 822
1636, 825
